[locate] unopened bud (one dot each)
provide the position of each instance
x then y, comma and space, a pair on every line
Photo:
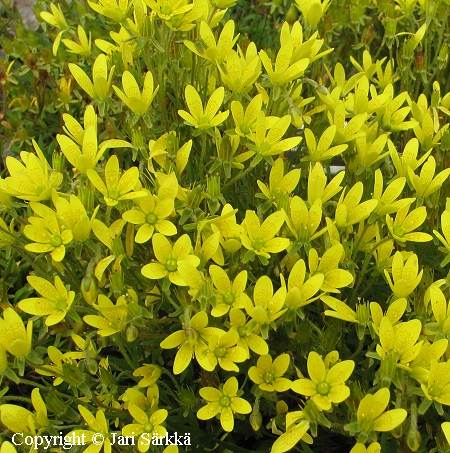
187, 397
91, 365
413, 439
368, 35
132, 333
255, 420
89, 289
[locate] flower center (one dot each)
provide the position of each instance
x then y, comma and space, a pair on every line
171, 265
242, 331
245, 128
228, 298
150, 218
220, 352
435, 390
166, 9
398, 231
148, 427
113, 194
56, 241
268, 377
224, 401
60, 304
323, 388
258, 244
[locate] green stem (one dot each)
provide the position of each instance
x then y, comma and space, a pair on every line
238, 176
202, 155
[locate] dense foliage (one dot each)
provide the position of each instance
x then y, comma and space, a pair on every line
180, 254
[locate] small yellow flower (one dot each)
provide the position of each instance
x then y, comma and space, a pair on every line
97, 424
399, 343
100, 85
323, 151
145, 423
216, 53
386, 199
113, 319
409, 157
168, 257
240, 73
151, 214
222, 350
405, 276
32, 181
317, 184
84, 48
374, 447
191, 340
55, 19
118, 187
54, 304
136, 101
268, 375
73, 216
204, 118
47, 233
260, 238
245, 122
312, 10
268, 306
113, 9
445, 226
325, 386
13, 336
248, 337
150, 374
223, 401
228, 294
427, 183
7, 447
370, 416
267, 144
168, 9
280, 183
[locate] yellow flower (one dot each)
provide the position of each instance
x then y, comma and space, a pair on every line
136, 101
150, 374
325, 386
168, 257
117, 11
191, 340
405, 276
245, 123
248, 337
222, 349
437, 386
73, 216
394, 312
427, 183
328, 266
145, 423
374, 447
13, 336
445, 226
370, 416
55, 19
317, 184
21, 420
267, 144
398, 343
268, 375
401, 228
113, 319
323, 150
268, 306
240, 73
151, 214
101, 81
118, 187
386, 199
203, 118
312, 10
31, 181
259, 238
279, 183
300, 293
228, 294
216, 53
223, 401
349, 209
284, 71
55, 303
409, 157
46, 232
168, 9
97, 424
58, 359
7, 447
84, 48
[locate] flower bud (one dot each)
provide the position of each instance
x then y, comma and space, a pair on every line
132, 333
255, 420
71, 374
296, 117
89, 289
91, 365
330, 337
291, 14
55, 403
413, 439
304, 331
